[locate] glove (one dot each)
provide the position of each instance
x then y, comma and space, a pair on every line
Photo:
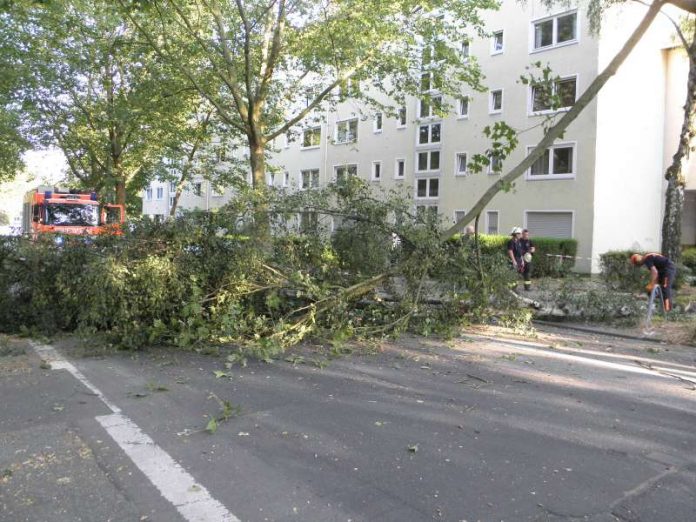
649, 287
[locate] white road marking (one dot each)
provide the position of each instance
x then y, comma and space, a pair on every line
191, 500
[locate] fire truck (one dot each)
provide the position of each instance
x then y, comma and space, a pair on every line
56, 211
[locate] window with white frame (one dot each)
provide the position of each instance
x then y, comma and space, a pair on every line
286, 179
465, 50
342, 172
558, 30
561, 95
495, 164
401, 121
309, 221
492, 222
461, 164
198, 188
171, 201
497, 42
400, 168
377, 124
347, 131
309, 178
311, 137
429, 107
270, 178
459, 214
427, 161
495, 103
160, 193
557, 162
172, 186
463, 107
429, 134
431, 81
376, 170
148, 194
427, 211
427, 188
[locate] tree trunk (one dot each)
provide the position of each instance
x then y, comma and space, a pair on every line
121, 192
257, 160
674, 198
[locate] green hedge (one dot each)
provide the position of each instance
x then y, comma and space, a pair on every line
619, 273
689, 258
545, 264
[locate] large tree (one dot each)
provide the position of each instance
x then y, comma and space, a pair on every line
93, 89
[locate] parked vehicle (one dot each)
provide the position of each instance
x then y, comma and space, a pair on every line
54, 211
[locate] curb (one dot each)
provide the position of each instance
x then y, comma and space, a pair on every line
585, 329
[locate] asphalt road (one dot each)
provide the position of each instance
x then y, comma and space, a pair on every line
566, 427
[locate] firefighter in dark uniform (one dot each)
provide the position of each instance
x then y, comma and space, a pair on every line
528, 249
662, 271
514, 250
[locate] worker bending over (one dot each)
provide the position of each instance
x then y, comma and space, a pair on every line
662, 271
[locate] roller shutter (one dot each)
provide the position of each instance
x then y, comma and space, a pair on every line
550, 224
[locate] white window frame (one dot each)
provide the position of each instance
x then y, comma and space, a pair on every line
378, 123
373, 171
159, 193
530, 100
457, 172
465, 50
428, 180
402, 112
430, 141
343, 165
396, 168
429, 170
171, 201
270, 179
431, 106
494, 48
454, 213
490, 170
544, 177
310, 179
172, 186
554, 211
488, 221
347, 123
197, 189
286, 179
554, 39
492, 110
426, 207
312, 130
148, 194
460, 103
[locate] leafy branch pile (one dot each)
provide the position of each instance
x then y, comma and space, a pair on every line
207, 278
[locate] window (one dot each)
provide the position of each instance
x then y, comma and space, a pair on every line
428, 161
172, 186
343, 171
376, 170
400, 169
160, 193
461, 164
429, 107
402, 117
557, 162
198, 188
426, 212
429, 134
562, 95
349, 88
311, 138
347, 131
459, 214
558, 30
310, 178
427, 188
309, 221
465, 50
286, 179
221, 154
270, 178
431, 81
495, 165
558, 224
492, 222
463, 107
495, 105
171, 201
497, 42
148, 194
377, 127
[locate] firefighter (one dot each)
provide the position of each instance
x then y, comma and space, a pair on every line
662, 271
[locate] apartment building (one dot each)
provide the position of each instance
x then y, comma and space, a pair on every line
601, 184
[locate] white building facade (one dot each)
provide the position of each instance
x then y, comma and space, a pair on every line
601, 184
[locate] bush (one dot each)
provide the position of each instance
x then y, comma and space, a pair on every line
617, 271
689, 258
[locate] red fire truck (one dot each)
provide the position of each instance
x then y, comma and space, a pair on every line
51, 210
